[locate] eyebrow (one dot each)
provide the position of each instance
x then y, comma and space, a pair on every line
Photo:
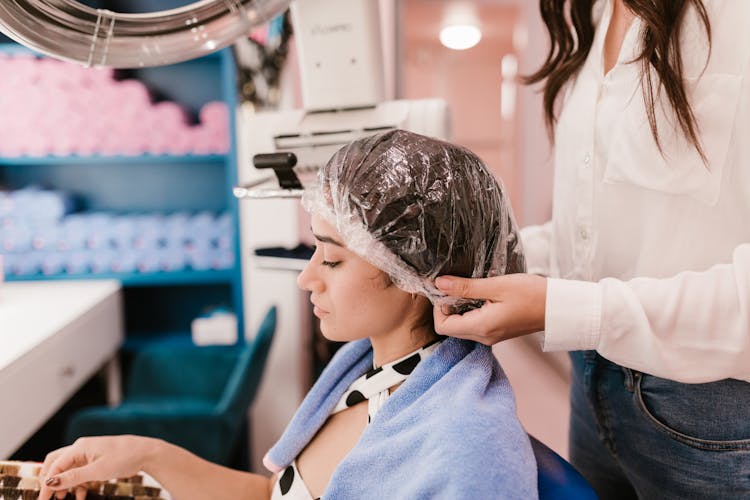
327, 239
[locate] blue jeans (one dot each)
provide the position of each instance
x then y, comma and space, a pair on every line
637, 436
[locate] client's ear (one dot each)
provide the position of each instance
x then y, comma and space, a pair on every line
387, 281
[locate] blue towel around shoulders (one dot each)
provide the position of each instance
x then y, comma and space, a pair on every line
449, 431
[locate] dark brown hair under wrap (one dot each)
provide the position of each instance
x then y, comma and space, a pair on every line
433, 205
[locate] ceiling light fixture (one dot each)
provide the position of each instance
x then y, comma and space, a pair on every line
460, 25
460, 36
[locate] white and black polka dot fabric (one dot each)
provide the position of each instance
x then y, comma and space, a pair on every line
374, 386
290, 485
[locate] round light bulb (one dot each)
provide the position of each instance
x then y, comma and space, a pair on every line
460, 36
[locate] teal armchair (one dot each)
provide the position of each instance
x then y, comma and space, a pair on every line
195, 397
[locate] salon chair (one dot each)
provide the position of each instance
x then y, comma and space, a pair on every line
195, 397
557, 479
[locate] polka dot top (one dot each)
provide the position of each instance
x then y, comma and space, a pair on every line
374, 387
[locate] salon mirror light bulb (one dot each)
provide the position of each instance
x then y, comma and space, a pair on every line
460, 36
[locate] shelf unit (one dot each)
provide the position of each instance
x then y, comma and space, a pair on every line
152, 183
109, 160
172, 278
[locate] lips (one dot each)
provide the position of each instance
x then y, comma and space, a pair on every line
317, 310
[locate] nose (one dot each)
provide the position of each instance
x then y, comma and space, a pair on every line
309, 278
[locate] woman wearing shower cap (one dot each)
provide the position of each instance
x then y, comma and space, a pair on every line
400, 412
647, 253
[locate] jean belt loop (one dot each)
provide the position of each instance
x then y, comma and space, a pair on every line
629, 378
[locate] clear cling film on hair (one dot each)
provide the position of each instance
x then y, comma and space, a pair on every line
418, 208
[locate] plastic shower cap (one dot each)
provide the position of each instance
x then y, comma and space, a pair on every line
418, 208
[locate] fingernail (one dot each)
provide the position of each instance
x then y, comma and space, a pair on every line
444, 283
52, 481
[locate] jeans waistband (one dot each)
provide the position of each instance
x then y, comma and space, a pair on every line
633, 376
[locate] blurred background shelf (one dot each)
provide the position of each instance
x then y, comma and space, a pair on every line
110, 160
114, 181
171, 278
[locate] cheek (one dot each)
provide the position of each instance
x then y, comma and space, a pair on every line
368, 309
357, 307
353, 297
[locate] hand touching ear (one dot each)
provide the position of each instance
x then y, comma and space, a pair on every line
515, 306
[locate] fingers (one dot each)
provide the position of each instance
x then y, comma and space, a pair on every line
472, 325
63, 469
49, 460
515, 305
46, 492
74, 477
80, 493
469, 288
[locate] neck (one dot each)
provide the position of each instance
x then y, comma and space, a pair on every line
398, 343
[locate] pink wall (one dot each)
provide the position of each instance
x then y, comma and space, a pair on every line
469, 80
515, 148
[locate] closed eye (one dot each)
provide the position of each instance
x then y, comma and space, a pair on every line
330, 264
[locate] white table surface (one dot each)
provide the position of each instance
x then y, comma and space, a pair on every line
54, 335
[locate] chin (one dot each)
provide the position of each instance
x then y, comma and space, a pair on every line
333, 335
336, 334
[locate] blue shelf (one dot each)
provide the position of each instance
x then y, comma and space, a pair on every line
153, 183
224, 276
110, 160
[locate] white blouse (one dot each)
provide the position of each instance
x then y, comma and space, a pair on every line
648, 254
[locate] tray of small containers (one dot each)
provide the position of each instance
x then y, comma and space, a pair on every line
20, 481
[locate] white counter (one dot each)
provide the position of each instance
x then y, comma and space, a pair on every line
54, 335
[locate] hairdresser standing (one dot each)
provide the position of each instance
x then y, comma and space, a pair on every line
648, 251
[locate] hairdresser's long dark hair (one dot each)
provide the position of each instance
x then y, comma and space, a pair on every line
662, 24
